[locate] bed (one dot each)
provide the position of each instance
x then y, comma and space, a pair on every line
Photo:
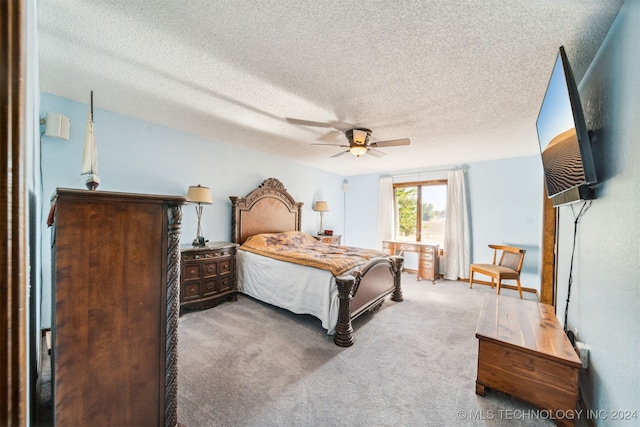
270, 212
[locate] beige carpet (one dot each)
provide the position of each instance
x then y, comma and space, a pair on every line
246, 363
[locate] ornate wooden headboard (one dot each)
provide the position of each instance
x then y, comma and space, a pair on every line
267, 209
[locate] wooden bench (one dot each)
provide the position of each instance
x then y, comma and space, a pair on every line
523, 351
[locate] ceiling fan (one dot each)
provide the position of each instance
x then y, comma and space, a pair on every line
359, 144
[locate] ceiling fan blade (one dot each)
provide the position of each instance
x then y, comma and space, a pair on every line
330, 135
376, 153
336, 124
340, 154
308, 123
391, 143
330, 145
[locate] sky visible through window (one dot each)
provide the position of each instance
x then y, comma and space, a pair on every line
433, 224
436, 195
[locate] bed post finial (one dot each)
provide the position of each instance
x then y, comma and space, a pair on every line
235, 218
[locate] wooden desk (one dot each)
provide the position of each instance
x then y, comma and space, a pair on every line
523, 351
428, 265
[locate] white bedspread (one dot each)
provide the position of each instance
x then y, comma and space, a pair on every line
297, 288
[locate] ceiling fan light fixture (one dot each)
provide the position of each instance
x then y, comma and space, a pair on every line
358, 150
358, 139
360, 136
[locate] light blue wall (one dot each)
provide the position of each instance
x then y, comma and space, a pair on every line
605, 293
361, 219
505, 198
141, 157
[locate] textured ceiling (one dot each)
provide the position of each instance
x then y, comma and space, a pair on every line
462, 79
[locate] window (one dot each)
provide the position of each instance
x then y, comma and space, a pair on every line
421, 211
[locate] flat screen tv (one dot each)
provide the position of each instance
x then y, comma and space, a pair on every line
569, 170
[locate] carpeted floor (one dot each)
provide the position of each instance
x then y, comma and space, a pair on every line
246, 363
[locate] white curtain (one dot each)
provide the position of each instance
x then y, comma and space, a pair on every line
457, 244
386, 212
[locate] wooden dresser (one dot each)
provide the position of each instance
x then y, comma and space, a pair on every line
208, 274
523, 351
115, 308
428, 256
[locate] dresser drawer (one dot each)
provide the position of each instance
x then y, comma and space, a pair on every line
193, 257
426, 256
427, 265
190, 291
191, 271
210, 269
225, 266
209, 287
225, 283
428, 250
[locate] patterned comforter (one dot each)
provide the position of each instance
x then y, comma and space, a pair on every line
301, 248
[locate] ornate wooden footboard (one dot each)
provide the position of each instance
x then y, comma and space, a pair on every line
366, 290
271, 209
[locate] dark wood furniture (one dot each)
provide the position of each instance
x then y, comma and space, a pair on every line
333, 239
428, 256
271, 209
17, 208
208, 275
115, 308
523, 351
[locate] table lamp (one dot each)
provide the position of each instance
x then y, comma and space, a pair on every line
322, 207
199, 196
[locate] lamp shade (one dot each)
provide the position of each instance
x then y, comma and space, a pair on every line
199, 194
359, 136
321, 206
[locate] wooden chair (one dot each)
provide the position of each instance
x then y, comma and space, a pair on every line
508, 268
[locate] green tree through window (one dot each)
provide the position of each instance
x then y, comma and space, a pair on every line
407, 210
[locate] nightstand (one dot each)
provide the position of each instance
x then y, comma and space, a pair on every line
207, 275
325, 238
